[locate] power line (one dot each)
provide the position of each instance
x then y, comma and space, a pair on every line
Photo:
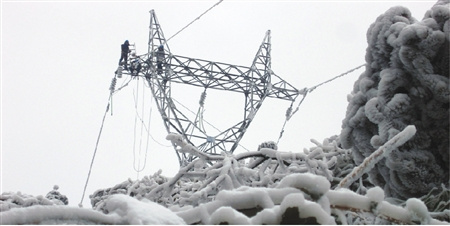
329, 80
195, 20
305, 92
95, 151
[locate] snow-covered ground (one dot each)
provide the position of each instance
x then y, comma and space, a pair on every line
298, 199
261, 187
122, 209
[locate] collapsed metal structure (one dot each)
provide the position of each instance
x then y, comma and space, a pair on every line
160, 68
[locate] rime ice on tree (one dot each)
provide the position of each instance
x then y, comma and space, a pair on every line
406, 82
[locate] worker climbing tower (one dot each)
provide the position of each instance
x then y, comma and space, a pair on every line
160, 68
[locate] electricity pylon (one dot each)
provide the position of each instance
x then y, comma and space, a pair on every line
160, 68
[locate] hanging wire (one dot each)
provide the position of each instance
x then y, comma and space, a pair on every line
135, 98
148, 128
95, 151
195, 20
148, 132
218, 130
149, 121
143, 126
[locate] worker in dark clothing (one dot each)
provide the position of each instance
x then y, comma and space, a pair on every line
160, 58
124, 55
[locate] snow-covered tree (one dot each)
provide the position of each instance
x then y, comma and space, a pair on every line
406, 82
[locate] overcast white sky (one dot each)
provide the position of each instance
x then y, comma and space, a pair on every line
58, 59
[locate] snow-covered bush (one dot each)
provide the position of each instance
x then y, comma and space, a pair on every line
271, 187
194, 185
131, 188
56, 195
201, 180
10, 200
406, 82
268, 144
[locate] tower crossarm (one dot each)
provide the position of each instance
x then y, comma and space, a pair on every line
222, 76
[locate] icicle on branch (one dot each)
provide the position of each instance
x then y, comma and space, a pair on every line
376, 156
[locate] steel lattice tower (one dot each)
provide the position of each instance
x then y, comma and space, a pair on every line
256, 83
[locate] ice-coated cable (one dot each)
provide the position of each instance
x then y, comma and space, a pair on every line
194, 20
95, 151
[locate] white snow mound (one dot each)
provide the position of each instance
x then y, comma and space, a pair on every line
133, 211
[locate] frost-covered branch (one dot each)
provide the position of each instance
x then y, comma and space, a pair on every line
311, 196
200, 180
376, 156
178, 140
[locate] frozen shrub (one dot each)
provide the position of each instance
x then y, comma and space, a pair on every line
11, 200
268, 144
56, 195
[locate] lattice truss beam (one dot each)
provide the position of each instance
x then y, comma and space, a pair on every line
160, 68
